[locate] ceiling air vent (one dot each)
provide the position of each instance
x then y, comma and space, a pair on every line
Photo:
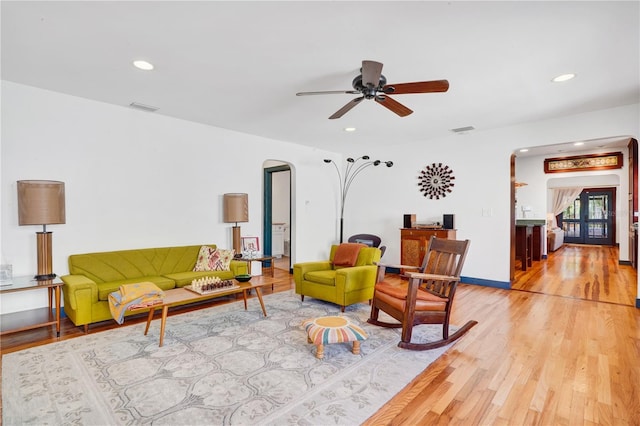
143, 107
463, 129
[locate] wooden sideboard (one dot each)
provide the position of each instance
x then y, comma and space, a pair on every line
414, 242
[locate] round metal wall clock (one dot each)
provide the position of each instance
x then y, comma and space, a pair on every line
436, 181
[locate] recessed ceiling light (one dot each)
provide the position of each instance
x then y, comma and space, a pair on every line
578, 144
563, 77
524, 150
143, 65
349, 129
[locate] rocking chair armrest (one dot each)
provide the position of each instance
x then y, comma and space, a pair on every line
436, 277
385, 265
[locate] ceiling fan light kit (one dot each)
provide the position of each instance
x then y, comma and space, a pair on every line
371, 84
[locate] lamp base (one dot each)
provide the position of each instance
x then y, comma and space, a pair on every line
237, 244
45, 269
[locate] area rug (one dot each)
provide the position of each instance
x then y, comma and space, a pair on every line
221, 365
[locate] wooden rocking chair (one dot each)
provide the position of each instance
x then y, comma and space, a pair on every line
427, 298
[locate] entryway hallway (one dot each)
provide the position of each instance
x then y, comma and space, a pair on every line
589, 272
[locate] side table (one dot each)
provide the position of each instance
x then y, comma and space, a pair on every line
262, 260
26, 320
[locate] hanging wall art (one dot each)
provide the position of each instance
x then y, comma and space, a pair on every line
436, 181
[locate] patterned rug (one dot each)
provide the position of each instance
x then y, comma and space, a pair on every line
221, 365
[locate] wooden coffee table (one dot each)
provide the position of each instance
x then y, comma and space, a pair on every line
182, 296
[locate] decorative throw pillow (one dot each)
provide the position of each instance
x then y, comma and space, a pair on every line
205, 257
347, 254
221, 259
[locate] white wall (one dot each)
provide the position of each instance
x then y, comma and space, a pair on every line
136, 179
481, 197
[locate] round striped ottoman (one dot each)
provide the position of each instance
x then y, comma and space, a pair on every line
325, 330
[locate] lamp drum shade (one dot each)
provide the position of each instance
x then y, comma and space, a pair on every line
41, 202
236, 208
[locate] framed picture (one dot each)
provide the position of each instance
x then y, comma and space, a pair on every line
580, 163
250, 244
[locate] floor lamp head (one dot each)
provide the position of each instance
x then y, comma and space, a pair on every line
236, 209
42, 202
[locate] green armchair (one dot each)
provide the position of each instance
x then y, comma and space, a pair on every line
342, 285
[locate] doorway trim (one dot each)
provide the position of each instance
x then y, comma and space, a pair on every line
267, 204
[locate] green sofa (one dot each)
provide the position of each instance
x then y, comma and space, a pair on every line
92, 276
343, 286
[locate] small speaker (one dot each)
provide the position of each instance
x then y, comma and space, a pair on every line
448, 221
409, 220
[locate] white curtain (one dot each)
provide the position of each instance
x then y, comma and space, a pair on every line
561, 199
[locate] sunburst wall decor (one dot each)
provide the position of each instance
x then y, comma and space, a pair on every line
436, 181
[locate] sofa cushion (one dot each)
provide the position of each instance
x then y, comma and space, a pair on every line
132, 264
213, 259
104, 289
205, 259
327, 277
222, 259
368, 255
347, 254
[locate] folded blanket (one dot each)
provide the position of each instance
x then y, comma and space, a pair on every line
133, 296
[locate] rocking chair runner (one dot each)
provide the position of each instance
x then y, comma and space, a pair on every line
428, 296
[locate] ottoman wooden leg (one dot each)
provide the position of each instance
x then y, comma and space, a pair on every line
356, 347
320, 351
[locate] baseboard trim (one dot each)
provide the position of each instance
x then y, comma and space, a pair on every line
505, 285
470, 280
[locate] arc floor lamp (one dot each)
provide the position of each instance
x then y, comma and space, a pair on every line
351, 170
42, 202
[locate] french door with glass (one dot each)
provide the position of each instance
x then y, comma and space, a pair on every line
590, 218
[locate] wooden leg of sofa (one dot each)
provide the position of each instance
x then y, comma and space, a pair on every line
302, 297
86, 329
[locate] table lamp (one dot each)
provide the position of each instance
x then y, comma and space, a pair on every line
236, 209
41, 202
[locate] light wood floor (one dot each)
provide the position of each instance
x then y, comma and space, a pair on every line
583, 272
533, 359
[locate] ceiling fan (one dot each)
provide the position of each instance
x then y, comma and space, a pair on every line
371, 84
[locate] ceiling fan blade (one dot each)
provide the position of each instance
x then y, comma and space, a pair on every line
342, 111
371, 71
393, 105
417, 87
329, 92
